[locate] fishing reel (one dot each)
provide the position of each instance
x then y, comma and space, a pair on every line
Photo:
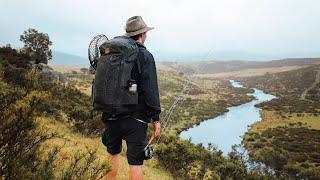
148, 152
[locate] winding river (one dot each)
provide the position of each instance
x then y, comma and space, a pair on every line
226, 130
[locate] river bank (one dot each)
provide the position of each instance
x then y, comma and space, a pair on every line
206, 99
186, 160
288, 136
227, 130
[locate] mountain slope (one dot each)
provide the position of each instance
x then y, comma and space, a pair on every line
67, 59
71, 142
288, 137
214, 67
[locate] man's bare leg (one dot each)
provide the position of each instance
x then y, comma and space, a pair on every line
135, 173
115, 164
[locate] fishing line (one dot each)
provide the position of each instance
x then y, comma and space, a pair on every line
94, 54
179, 97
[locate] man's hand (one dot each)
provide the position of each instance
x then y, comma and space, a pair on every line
156, 128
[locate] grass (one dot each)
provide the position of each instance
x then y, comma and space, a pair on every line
288, 143
271, 119
71, 142
207, 98
287, 138
65, 111
251, 72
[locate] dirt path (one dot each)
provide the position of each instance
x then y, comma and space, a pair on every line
305, 92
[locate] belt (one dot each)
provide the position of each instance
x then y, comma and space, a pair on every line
139, 120
115, 118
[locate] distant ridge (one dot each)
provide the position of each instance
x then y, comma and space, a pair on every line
212, 67
221, 55
227, 66
206, 67
67, 59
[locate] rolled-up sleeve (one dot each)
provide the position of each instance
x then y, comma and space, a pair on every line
150, 86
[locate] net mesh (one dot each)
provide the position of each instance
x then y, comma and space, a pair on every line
93, 50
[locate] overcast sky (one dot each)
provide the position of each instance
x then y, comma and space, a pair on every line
182, 27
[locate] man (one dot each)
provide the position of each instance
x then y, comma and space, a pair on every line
132, 127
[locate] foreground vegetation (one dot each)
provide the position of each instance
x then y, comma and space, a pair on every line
206, 99
288, 137
26, 96
46, 122
47, 129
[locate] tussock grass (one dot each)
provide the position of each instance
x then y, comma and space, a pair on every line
287, 138
71, 144
271, 119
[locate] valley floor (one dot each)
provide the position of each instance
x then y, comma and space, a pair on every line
288, 136
50, 102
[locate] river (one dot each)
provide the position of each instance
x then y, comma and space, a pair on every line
226, 130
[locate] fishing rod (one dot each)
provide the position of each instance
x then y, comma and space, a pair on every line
148, 150
94, 53
178, 98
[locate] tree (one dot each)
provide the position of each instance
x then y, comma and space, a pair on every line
37, 45
84, 70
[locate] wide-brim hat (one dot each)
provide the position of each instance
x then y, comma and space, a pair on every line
135, 25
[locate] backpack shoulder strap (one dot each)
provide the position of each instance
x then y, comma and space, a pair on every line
138, 60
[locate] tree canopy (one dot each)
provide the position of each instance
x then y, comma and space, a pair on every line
37, 45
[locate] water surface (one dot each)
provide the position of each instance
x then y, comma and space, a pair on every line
226, 130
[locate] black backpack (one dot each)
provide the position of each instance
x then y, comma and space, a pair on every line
113, 88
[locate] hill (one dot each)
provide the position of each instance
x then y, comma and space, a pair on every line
227, 55
49, 122
45, 127
67, 59
288, 137
49, 130
224, 69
